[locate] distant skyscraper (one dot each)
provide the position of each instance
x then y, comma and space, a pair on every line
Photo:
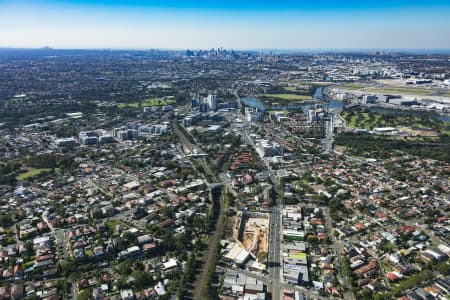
194, 103
203, 107
211, 101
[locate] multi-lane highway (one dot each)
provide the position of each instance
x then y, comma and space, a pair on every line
274, 252
328, 140
274, 279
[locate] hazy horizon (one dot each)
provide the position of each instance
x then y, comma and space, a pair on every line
266, 50
254, 25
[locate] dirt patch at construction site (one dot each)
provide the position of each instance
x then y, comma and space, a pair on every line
256, 234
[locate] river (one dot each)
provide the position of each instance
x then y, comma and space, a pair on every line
339, 105
324, 102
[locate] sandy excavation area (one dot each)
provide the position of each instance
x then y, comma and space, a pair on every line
256, 235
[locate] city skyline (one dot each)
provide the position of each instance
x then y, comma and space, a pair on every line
241, 149
203, 25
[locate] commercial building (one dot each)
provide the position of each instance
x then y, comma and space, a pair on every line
161, 108
253, 114
368, 99
89, 140
95, 137
267, 149
69, 142
125, 133
293, 235
296, 274
254, 109
238, 255
211, 101
153, 129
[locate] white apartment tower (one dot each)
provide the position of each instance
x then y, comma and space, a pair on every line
211, 101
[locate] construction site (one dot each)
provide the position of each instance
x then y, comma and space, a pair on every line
251, 230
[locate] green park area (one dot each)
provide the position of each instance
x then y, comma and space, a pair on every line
148, 102
351, 86
298, 91
381, 147
290, 89
31, 172
363, 120
370, 120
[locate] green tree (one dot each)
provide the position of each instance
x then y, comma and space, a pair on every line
67, 267
5, 220
262, 256
443, 268
85, 294
141, 279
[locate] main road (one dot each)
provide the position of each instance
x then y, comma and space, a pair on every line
274, 252
328, 140
274, 261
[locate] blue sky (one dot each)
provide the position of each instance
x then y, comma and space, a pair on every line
282, 24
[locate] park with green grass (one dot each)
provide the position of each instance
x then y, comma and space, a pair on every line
381, 146
32, 172
288, 95
364, 119
149, 102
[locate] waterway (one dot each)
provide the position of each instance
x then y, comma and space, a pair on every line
322, 101
336, 105
253, 102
